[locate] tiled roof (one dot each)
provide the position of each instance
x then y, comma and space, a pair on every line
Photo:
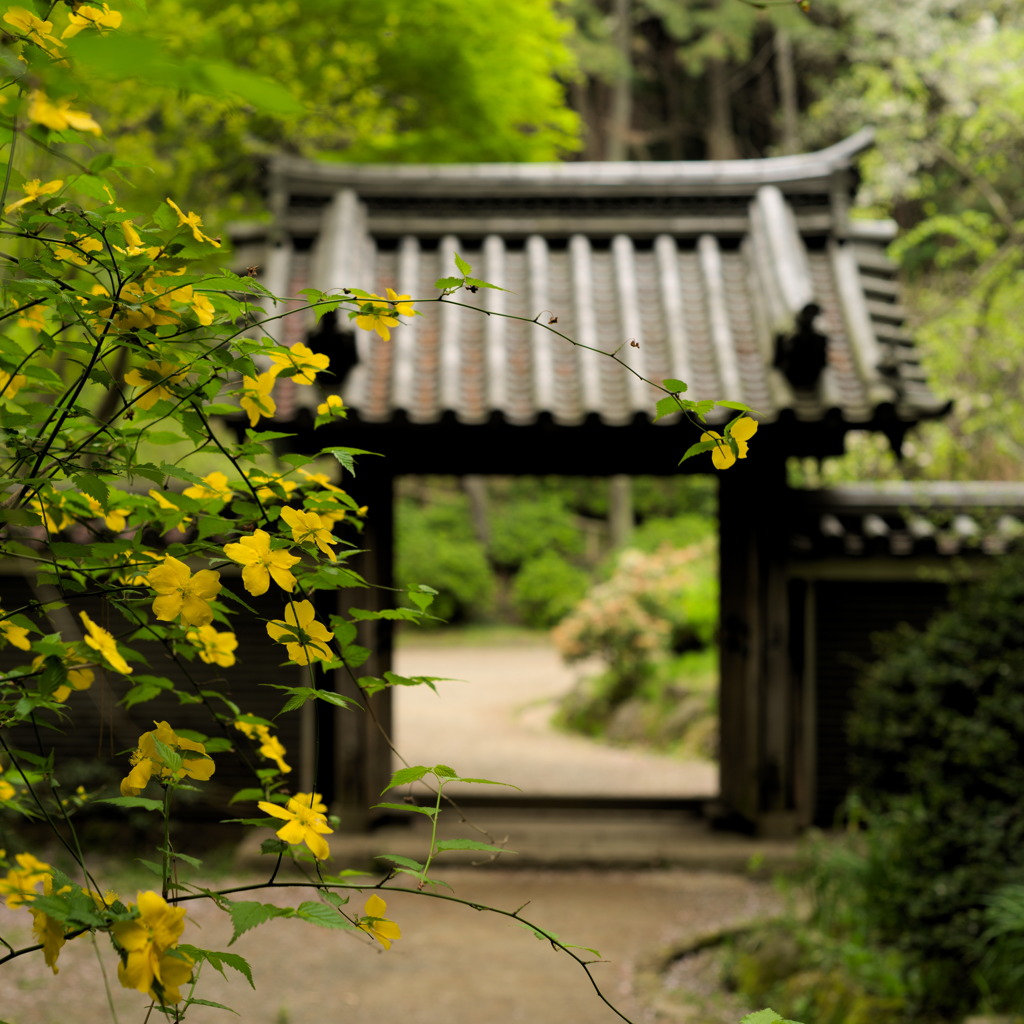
906, 520
703, 265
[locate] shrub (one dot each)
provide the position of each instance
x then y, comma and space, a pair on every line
546, 589
435, 544
527, 528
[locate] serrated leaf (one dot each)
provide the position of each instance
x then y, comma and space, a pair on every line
402, 862
218, 961
475, 282
322, 915
209, 1002
141, 802
463, 267
93, 486
273, 845
469, 844
430, 812
346, 456
444, 283
489, 782
667, 406
733, 405
405, 776
765, 1016
674, 384
248, 914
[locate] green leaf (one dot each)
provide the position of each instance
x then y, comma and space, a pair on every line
247, 914
93, 486
274, 846
488, 782
447, 283
322, 915
667, 406
346, 456
733, 405
469, 844
697, 448
765, 1016
674, 384
463, 267
218, 961
141, 802
404, 776
402, 862
430, 812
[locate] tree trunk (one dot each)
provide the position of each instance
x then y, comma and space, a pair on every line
621, 115
719, 136
785, 77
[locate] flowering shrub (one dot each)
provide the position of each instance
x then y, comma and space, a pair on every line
121, 355
655, 605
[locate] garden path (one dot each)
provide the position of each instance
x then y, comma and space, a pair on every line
493, 722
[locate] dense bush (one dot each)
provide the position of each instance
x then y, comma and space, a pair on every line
546, 589
937, 730
436, 543
526, 528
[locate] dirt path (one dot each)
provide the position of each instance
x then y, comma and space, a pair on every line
493, 723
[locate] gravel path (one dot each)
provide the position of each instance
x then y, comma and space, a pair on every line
492, 721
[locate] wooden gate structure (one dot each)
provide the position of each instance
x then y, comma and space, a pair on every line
749, 279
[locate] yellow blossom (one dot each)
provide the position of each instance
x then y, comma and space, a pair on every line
150, 963
256, 398
214, 486
722, 455
35, 29
270, 746
306, 363
314, 801
19, 887
10, 384
334, 406
16, 636
304, 637
59, 115
193, 221
49, 931
214, 648
183, 594
261, 564
115, 520
203, 308
374, 317
7, 791
303, 825
34, 190
166, 503
271, 485
157, 376
374, 922
308, 527
33, 318
146, 759
100, 640
77, 252
84, 15
78, 677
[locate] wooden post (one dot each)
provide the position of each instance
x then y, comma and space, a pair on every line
354, 758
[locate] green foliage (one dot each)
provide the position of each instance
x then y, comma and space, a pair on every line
391, 81
547, 588
524, 529
938, 825
436, 543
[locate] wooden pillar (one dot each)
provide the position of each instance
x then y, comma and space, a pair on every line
354, 757
757, 692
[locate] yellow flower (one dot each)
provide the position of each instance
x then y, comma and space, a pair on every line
182, 594
383, 930
193, 221
34, 190
377, 318
308, 527
256, 398
49, 932
722, 455
261, 564
166, 503
214, 648
314, 801
203, 308
78, 252
334, 406
16, 636
59, 115
19, 887
146, 759
7, 791
86, 15
11, 385
100, 640
305, 361
303, 825
33, 318
271, 485
115, 520
150, 962
157, 376
304, 637
35, 29
78, 678
214, 485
